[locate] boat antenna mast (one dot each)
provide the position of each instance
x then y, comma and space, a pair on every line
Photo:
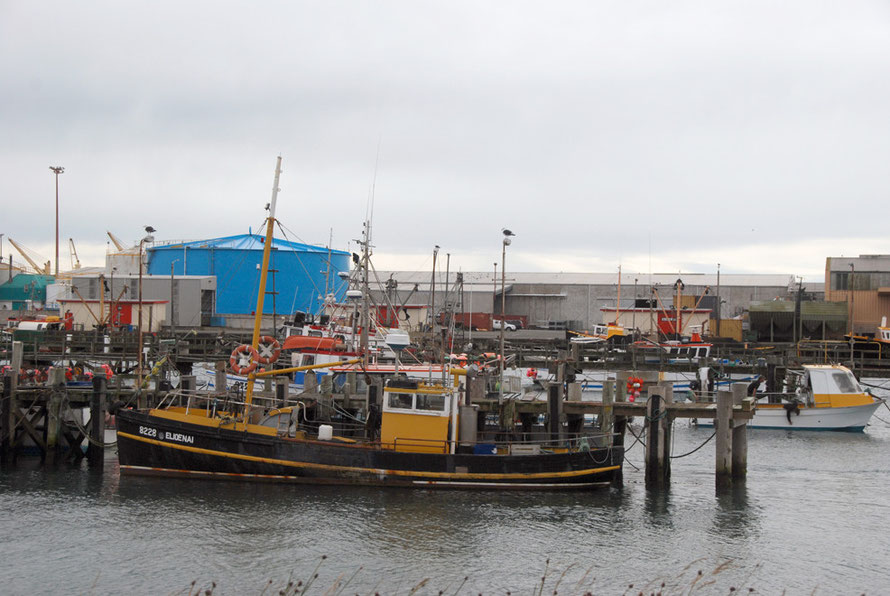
258, 317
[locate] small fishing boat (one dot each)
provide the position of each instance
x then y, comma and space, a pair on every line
416, 434
610, 333
816, 397
674, 351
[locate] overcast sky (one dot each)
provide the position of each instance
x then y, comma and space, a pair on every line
659, 136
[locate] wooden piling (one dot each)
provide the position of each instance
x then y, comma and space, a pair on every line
53, 428
658, 463
6, 419
723, 428
219, 377
310, 382
188, 386
96, 438
554, 400
619, 428
282, 384
606, 416
739, 435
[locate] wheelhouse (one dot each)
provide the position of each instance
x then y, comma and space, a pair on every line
417, 417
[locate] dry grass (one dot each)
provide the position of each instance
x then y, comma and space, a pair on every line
698, 577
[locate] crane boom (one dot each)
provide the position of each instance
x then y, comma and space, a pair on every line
75, 264
32, 262
116, 241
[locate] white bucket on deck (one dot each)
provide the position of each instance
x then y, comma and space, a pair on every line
325, 432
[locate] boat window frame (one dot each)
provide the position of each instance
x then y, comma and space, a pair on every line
413, 409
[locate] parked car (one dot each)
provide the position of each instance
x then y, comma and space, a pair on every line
508, 326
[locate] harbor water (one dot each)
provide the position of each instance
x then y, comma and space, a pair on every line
810, 519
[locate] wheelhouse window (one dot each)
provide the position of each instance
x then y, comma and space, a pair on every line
431, 402
845, 382
400, 401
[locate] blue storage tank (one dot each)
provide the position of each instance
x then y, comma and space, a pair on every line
299, 279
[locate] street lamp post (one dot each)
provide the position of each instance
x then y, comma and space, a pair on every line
142, 242
57, 170
504, 244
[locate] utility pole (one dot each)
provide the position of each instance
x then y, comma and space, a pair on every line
718, 299
57, 170
505, 243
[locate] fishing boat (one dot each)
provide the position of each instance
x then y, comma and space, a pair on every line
610, 333
675, 351
417, 434
816, 397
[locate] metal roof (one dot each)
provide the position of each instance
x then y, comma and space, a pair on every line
484, 279
245, 242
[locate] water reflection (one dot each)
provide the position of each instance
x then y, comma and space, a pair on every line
733, 517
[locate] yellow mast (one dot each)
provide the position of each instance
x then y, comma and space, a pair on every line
258, 319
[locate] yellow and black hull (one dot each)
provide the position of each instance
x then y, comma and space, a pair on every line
156, 445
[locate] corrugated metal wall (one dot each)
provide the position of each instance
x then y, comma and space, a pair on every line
299, 280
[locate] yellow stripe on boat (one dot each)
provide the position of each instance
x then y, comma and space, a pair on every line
372, 471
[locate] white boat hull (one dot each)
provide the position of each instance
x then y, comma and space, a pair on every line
851, 418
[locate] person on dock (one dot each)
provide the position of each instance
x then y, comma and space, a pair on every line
754, 385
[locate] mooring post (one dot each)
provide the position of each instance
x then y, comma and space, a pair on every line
658, 470
281, 386
606, 415
350, 384
310, 382
53, 428
11, 403
5, 419
723, 429
219, 377
667, 426
188, 385
554, 397
619, 428
96, 447
739, 435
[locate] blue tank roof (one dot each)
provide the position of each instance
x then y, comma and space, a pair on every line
302, 273
249, 242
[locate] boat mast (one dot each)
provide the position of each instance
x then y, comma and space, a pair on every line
618, 303
327, 274
366, 318
261, 294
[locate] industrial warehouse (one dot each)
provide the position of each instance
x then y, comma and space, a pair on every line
213, 283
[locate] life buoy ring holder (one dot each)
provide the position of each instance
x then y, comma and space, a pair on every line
634, 385
238, 354
268, 350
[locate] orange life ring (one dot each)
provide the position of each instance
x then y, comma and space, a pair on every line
268, 350
238, 354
